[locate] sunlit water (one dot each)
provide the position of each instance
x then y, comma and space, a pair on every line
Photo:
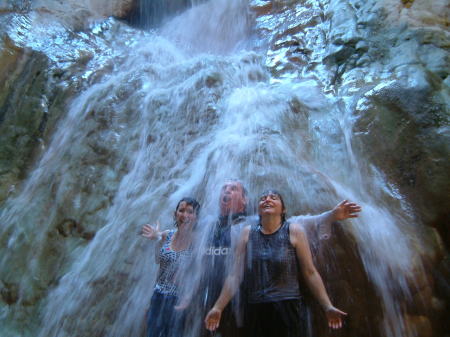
182, 109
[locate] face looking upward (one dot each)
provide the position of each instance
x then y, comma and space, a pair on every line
185, 215
232, 198
270, 204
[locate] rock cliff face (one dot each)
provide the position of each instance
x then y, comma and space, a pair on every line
104, 127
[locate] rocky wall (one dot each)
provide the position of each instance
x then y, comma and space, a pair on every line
384, 63
387, 65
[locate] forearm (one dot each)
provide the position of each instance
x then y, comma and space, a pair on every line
320, 223
315, 284
228, 291
316, 220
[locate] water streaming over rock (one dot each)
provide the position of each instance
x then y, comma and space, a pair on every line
174, 112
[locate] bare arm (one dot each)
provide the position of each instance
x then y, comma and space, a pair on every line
322, 222
231, 285
312, 277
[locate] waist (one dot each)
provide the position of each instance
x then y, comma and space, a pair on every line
166, 289
274, 293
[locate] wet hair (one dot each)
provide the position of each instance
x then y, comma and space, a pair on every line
274, 191
190, 202
234, 180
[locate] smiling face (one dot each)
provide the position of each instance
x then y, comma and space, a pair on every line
232, 198
271, 204
185, 215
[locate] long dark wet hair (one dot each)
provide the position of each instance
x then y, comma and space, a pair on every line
274, 191
190, 202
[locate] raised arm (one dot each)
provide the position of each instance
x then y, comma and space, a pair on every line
312, 277
322, 222
231, 284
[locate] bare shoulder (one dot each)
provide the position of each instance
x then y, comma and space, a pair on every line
244, 234
165, 233
296, 228
246, 228
245, 231
296, 233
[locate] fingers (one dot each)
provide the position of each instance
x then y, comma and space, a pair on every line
335, 318
354, 207
342, 203
212, 320
147, 230
335, 324
350, 205
349, 209
211, 324
157, 225
150, 231
341, 312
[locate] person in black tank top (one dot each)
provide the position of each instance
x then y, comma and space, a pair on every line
269, 256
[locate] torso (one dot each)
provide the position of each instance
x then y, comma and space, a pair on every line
218, 255
271, 266
170, 261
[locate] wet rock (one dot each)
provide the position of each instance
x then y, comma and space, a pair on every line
386, 62
15, 6
23, 112
340, 265
149, 13
70, 227
419, 326
9, 292
410, 112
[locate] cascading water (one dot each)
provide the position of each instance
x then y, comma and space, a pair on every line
176, 112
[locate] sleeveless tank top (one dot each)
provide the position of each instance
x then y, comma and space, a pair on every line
170, 262
271, 266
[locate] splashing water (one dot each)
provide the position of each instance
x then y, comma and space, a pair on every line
190, 106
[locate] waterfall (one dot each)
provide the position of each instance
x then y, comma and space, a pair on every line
178, 110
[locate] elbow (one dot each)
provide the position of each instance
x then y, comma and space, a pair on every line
310, 273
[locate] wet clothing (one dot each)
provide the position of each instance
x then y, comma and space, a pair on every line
169, 263
275, 319
272, 266
271, 276
217, 261
163, 320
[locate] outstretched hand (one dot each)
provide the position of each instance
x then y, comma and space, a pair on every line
212, 320
151, 232
335, 317
345, 210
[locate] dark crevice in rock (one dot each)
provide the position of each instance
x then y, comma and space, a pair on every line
71, 228
152, 13
9, 292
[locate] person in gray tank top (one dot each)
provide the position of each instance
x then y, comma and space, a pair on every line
269, 256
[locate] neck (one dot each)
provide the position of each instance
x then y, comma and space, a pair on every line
270, 223
183, 233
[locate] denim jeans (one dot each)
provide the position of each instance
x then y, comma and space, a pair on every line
162, 319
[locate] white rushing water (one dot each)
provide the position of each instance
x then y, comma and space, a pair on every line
188, 106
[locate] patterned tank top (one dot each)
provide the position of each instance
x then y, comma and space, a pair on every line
169, 265
271, 266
